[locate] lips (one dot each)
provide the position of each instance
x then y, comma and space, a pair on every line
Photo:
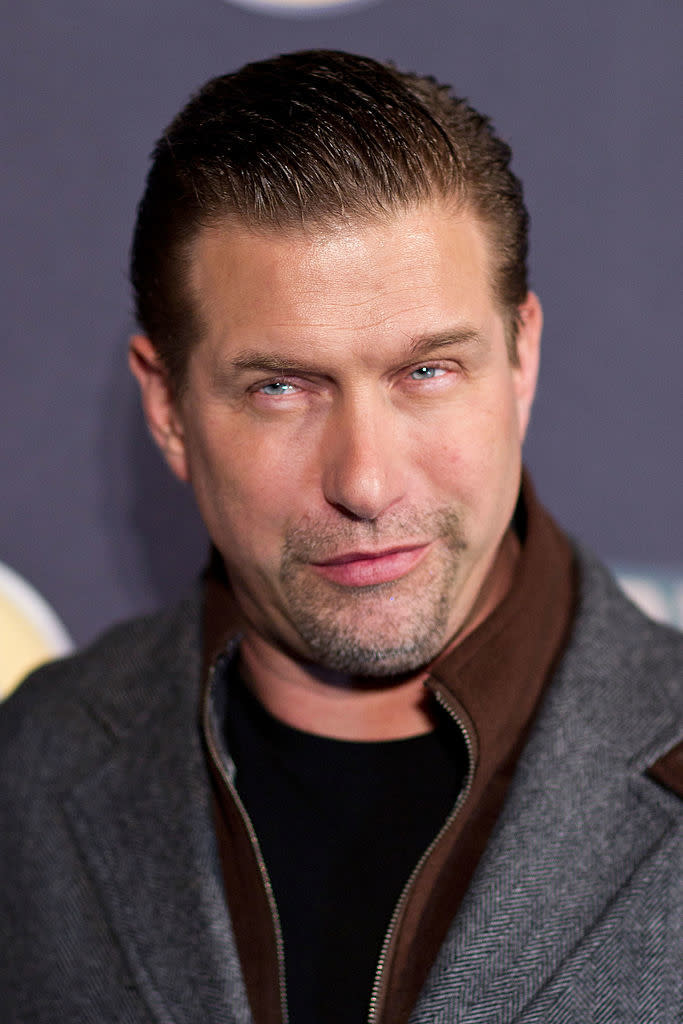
368, 568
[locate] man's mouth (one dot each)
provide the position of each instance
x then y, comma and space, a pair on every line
368, 568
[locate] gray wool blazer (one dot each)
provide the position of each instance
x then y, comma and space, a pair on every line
111, 903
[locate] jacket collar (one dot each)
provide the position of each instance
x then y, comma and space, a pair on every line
495, 677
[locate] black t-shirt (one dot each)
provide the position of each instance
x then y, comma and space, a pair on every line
341, 826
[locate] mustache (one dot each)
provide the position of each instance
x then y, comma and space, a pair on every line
315, 539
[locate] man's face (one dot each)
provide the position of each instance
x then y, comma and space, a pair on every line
352, 429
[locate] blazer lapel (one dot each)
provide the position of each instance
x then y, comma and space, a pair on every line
142, 819
579, 819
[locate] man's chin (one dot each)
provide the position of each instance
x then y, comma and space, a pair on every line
363, 658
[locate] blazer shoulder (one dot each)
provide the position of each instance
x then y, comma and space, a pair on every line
66, 709
608, 621
621, 672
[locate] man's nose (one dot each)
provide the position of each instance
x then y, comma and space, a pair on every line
363, 471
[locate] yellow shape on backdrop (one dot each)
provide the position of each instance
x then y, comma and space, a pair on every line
30, 632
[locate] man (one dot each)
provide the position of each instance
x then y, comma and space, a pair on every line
409, 755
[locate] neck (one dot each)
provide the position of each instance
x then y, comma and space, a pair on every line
307, 698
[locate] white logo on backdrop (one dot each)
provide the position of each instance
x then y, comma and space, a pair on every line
298, 6
659, 594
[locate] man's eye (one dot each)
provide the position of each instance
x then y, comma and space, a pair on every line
427, 372
276, 388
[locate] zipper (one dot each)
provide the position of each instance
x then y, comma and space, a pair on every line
251, 832
375, 1007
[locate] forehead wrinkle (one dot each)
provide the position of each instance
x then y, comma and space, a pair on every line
326, 314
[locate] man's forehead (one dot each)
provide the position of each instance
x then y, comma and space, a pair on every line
431, 244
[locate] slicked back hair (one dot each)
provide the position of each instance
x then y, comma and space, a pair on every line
309, 140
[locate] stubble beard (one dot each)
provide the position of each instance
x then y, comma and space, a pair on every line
384, 629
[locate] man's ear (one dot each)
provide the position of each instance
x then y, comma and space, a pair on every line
158, 402
529, 330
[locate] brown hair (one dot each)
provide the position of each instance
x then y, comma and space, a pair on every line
309, 139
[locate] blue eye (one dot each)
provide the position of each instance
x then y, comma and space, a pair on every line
426, 372
277, 388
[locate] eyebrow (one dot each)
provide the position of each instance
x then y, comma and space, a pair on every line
254, 360
417, 347
423, 344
